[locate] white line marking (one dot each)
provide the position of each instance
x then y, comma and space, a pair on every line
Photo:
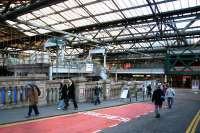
96, 131
107, 116
137, 116
113, 125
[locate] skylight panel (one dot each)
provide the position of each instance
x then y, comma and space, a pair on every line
192, 3
146, 45
130, 13
177, 5
71, 3
57, 17
196, 24
62, 26
89, 36
115, 32
11, 22
42, 31
38, 13
163, 7
83, 22
48, 20
184, 3
181, 24
133, 31
125, 32
59, 7
98, 8
139, 2
102, 35
124, 3
29, 34
109, 17
146, 10
110, 5
26, 17
74, 14
24, 27
86, 1
79, 11
126, 46
38, 22
142, 11
47, 10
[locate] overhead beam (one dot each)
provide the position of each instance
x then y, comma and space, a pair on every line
140, 19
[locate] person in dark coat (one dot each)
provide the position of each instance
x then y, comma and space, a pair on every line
97, 92
158, 98
149, 91
62, 96
71, 94
32, 99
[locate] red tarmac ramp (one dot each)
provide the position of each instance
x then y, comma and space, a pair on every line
82, 122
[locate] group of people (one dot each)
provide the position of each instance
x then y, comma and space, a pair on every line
161, 93
67, 92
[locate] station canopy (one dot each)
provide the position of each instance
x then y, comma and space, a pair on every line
117, 25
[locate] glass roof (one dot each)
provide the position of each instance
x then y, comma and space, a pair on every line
71, 14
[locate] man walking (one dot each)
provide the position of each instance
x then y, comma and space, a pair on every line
170, 93
158, 98
32, 99
71, 94
97, 92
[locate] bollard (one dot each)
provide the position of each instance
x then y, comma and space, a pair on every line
0, 96
47, 95
143, 95
136, 95
52, 97
3, 95
25, 93
9, 93
15, 95
21, 90
56, 94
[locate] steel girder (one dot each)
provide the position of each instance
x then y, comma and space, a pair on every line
140, 20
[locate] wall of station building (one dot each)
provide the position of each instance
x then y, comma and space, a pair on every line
14, 94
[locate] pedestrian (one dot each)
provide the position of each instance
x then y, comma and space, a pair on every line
158, 98
149, 91
97, 93
71, 94
165, 86
32, 99
62, 95
170, 93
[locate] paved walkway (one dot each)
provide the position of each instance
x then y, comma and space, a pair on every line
18, 114
82, 122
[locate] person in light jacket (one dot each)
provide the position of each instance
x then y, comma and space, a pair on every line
170, 93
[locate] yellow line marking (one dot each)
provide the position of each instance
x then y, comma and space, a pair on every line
192, 123
195, 124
